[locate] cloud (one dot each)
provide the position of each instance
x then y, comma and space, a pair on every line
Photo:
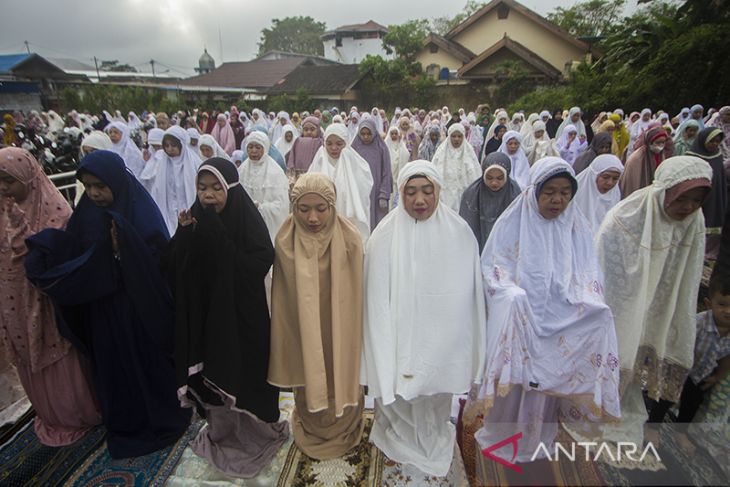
174, 32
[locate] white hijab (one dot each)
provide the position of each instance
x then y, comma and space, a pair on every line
424, 304
352, 176
579, 125
127, 149
459, 167
549, 328
164, 175
398, 151
520, 165
526, 128
209, 141
266, 184
591, 202
281, 144
529, 141
570, 153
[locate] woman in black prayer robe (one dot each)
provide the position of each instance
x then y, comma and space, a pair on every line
486, 198
217, 262
495, 141
103, 275
707, 146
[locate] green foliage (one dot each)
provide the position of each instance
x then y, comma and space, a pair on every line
590, 18
664, 56
293, 34
512, 81
393, 82
297, 103
442, 25
405, 39
95, 98
115, 66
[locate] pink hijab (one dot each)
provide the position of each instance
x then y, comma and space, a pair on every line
30, 335
224, 136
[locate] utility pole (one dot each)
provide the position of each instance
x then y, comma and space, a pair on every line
27, 47
220, 42
152, 63
98, 76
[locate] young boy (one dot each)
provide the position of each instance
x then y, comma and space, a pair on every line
712, 354
712, 349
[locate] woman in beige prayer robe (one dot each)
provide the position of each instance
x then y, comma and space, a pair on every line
316, 320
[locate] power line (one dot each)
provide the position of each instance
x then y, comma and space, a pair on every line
8, 48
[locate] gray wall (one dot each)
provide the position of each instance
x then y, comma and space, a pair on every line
24, 102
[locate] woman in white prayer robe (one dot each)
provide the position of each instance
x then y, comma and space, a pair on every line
457, 162
512, 147
208, 148
424, 321
171, 175
651, 248
265, 182
551, 344
598, 189
351, 174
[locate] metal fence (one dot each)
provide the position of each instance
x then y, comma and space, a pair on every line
66, 184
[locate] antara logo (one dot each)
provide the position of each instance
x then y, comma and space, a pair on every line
514, 439
593, 451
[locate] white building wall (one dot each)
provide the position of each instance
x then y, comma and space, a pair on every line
352, 50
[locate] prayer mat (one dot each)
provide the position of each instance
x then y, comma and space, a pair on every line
24, 461
149, 470
9, 430
483, 471
678, 467
363, 466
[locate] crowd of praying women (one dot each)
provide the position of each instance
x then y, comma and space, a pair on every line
547, 266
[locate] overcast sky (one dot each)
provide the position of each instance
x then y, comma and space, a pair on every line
173, 32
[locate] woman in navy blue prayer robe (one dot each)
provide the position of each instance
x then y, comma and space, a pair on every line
103, 274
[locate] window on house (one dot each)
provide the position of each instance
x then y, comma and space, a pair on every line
338, 41
433, 48
502, 11
433, 70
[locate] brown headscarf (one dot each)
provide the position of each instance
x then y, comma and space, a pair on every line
297, 350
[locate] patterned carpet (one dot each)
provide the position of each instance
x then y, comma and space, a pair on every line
24, 461
363, 466
676, 467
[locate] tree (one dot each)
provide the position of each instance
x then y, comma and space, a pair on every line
443, 25
591, 18
405, 40
393, 82
115, 66
512, 81
293, 34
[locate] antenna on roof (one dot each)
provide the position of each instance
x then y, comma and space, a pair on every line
220, 42
27, 47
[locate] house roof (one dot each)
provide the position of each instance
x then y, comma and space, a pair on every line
67, 64
9, 61
288, 54
537, 18
337, 78
454, 48
248, 74
516, 48
13, 63
369, 26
